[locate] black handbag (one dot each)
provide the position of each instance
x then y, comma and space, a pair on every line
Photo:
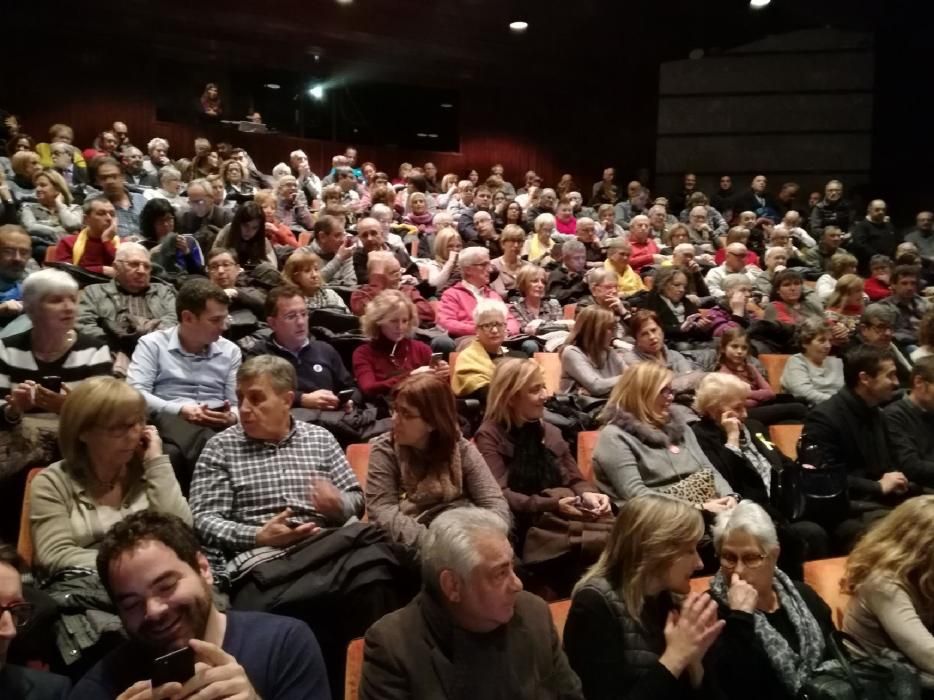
824, 487
851, 677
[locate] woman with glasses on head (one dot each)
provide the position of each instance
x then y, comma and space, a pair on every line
635, 630
775, 629
112, 465
645, 445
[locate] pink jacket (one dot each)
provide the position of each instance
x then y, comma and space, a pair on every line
455, 312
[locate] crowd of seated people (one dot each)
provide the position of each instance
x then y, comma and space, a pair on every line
190, 349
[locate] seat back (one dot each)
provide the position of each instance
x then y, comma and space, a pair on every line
452, 362
785, 438
586, 441
774, 366
354, 669
24, 544
550, 362
700, 585
359, 457
569, 311
824, 576
559, 614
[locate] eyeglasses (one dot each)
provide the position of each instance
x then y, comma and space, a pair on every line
21, 612
880, 327
220, 265
492, 326
728, 560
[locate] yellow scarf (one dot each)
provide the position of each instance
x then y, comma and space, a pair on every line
81, 243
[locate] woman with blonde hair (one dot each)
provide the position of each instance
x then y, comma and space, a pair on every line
646, 446
424, 466
391, 354
303, 270
890, 576
537, 248
53, 215
508, 264
534, 466
538, 315
589, 364
112, 465
846, 304
626, 636
448, 245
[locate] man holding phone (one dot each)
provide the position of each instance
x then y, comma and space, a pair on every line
180, 645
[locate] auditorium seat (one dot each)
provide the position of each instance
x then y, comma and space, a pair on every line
586, 441
774, 366
354, 669
785, 438
824, 576
569, 311
359, 457
550, 362
24, 544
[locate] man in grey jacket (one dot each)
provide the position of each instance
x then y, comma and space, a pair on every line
130, 305
335, 248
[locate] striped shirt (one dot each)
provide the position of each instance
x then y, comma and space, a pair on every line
86, 358
240, 483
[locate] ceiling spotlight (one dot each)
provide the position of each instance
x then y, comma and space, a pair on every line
446, 105
344, 2
272, 86
520, 25
422, 135
759, 4
317, 91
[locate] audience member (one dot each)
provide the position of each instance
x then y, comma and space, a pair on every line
246, 303
819, 257
537, 315
776, 260
847, 303
169, 189
733, 264
678, 315
589, 364
626, 636
813, 375
908, 305
909, 425
130, 305
722, 199
789, 307
203, 219
618, 252
470, 592
925, 329
832, 210
842, 263
155, 572
650, 347
776, 627
15, 264
507, 265
131, 160
127, 205
245, 235
537, 248
646, 447
756, 199
873, 235
878, 285
384, 272
425, 467
94, 247
20, 682
303, 270
25, 166
887, 577
877, 328
475, 364
186, 374
53, 215
336, 249
923, 235
456, 309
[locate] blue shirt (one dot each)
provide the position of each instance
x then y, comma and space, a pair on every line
280, 655
169, 377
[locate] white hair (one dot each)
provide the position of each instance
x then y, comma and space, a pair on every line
157, 143
473, 255
380, 209
600, 275
731, 282
296, 154
127, 248
699, 209
203, 184
547, 190
451, 542
748, 517
488, 307
773, 251
281, 170
684, 248
169, 173
439, 220
543, 219
656, 208
38, 285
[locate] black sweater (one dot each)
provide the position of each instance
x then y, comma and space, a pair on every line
911, 437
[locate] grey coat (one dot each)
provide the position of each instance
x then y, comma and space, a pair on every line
101, 303
633, 458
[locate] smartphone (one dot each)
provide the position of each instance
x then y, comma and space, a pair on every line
175, 667
218, 406
53, 384
344, 396
436, 357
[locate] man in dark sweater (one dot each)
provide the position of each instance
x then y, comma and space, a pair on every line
566, 282
874, 235
832, 210
160, 583
910, 425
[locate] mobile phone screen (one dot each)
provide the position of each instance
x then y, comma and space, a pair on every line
175, 667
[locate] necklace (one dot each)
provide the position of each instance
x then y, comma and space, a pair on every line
51, 355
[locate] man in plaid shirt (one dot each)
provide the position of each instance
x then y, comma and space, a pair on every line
270, 481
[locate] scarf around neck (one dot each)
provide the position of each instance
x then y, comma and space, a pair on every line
77, 252
426, 481
793, 668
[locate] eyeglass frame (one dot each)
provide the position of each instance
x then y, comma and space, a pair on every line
759, 560
19, 624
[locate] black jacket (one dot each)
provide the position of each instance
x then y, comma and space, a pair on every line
746, 201
852, 434
566, 286
870, 239
26, 684
670, 324
740, 662
825, 214
911, 438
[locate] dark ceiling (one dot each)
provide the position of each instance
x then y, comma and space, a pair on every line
447, 43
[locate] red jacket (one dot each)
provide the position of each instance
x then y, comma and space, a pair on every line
642, 255
876, 289
377, 373
455, 312
96, 256
363, 295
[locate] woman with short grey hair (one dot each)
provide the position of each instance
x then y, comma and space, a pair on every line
775, 627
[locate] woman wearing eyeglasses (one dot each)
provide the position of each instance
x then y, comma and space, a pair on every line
19, 616
775, 627
113, 465
475, 364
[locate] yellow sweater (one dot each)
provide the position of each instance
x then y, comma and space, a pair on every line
629, 282
473, 371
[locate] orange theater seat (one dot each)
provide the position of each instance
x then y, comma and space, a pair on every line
586, 441
550, 362
569, 312
359, 457
559, 614
785, 438
824, 576
354, 669
774, 366
700, 585
24, 544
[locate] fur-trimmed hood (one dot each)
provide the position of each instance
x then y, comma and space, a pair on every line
672, 432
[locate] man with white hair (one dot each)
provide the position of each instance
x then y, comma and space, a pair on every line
308, 182
203, 219
370, 234
158, 157
455, 312
483, 634
131, 159
733, 264
383, 214
699, 229
130, 305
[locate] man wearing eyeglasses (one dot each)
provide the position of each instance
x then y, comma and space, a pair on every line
15, 613
15, 263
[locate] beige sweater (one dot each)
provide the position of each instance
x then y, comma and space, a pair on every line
882, 616
67, 525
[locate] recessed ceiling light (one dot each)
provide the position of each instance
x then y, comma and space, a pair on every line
344, 2
432, 136
272, 86
422, 135
446, 105
758, 4
519, 25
